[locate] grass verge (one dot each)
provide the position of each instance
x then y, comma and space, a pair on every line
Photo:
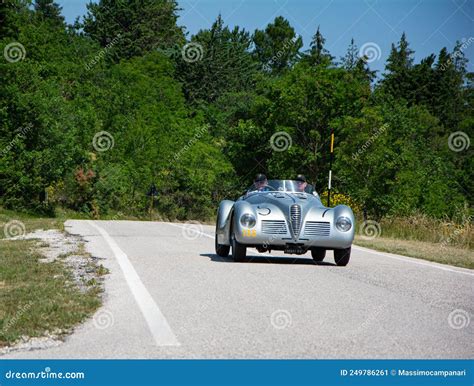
38, 298
459, 257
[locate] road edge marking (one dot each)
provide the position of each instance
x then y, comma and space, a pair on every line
156, 321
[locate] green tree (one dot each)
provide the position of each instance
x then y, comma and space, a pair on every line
49, 11
222, 63
277, 47
397, 80
300, 107
355, 64
447, 96
131, 28
382, 167
318, 55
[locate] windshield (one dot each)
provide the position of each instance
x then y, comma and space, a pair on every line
291, 186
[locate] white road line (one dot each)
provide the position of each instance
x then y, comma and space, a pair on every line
411, 260
406, 259
156, 321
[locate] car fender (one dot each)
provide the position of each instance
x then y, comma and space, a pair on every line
240, 208
344, 210
224, 214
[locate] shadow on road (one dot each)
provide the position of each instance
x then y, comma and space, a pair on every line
266, 260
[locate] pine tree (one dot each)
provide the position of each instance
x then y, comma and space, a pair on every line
349, 61
447, 100
357, 65
424, 82
277, 47
318, 54
397, 78
223, 63
134, 27
49, 11
13, 14
401, 56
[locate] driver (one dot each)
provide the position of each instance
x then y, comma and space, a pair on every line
301, 183
260, 184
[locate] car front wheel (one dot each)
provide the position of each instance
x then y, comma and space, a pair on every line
318, 254
221, 250
342, 256
239, 251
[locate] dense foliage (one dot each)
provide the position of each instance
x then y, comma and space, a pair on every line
93, 114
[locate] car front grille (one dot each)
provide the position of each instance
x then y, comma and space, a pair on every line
317, 228
295, 218
274, 227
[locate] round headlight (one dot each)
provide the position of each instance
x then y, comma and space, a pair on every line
248, 220
343, 224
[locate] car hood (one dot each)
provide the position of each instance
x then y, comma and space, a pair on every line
284, 201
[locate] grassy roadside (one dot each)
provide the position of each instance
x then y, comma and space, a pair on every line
37, 298
441, 240
459, 257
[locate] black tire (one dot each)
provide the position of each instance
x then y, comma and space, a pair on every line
222, 250
318, 254
342, 256
239, 251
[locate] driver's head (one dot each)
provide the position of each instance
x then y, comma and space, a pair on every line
260, 180
301, 182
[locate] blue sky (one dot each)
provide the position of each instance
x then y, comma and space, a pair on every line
429, 24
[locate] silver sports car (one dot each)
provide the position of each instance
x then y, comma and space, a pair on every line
281, 217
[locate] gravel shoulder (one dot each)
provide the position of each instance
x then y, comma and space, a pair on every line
49, 284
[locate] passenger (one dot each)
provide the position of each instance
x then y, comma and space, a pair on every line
301, 183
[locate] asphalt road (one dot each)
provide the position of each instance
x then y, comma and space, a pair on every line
169, 296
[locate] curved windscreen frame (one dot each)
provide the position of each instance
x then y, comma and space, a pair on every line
289, 186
